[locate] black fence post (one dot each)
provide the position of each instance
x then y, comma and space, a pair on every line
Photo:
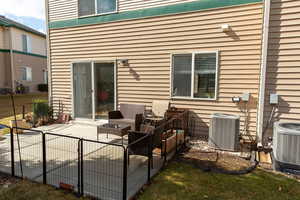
81, 167
125, 175
44, 159
150, 157
12, 152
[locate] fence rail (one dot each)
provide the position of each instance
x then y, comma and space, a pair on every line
93, 168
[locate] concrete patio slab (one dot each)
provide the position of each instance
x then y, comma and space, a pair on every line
102, 164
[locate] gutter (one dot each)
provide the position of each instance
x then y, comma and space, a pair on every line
12, 68
48, 54
263, 72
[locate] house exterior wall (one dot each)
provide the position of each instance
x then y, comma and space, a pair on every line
38, 43
5, 70
37, 65
68, 9
35, 59
4, 38
283, 70
148, 44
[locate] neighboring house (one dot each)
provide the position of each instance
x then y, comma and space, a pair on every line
23, 57
196, 53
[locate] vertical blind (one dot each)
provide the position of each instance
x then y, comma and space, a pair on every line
182, 70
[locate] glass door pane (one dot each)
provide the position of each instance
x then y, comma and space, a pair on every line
82, 89
104, 89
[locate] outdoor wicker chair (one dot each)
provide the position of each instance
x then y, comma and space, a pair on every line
130, 114
156, 115
142, 146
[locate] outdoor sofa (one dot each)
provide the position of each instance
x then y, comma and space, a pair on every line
130, 114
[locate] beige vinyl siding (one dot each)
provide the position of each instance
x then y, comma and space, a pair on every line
62, 10
283, 72
4, 38
148, 44
126, 5
68, 9
37, 43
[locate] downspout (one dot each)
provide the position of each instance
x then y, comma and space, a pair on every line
263, 72
48, 54
12, 68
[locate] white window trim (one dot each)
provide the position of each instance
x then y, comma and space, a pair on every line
93, 61
96, 8
192, 78
28, 43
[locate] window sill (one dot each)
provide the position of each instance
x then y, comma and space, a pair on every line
193, 99
95, 15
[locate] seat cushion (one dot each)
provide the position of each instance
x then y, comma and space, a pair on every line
129, 111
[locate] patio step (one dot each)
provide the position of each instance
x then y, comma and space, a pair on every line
88, 122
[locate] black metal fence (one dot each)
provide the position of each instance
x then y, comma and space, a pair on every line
87, 167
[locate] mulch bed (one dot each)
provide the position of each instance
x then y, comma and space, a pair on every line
6, 180
216, 161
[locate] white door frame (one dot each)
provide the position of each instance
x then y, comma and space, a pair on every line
93, 85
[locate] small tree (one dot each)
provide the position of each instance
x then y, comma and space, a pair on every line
42, 112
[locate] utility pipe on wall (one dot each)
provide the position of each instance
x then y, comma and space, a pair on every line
12, 68
48, 54
263, 72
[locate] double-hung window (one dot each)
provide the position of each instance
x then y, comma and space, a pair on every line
194, 75
26, 74
96, 7
26, 43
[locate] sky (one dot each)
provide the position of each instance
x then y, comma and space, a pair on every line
28, 12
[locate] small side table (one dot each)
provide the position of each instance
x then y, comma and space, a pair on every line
113, 129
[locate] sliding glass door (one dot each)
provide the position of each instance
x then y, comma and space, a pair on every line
104, 89
82, 89
93, 89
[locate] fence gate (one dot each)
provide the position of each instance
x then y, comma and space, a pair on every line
102, 170
62, 161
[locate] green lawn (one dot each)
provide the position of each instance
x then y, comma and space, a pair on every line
25, 190
182, 181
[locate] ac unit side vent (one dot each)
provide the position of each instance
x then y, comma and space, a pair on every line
286, 144
224, 132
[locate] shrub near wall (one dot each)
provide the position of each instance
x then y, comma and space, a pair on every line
43, 87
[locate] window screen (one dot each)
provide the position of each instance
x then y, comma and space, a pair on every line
204, 69
205, 75
89, 7
106, 6
86, 7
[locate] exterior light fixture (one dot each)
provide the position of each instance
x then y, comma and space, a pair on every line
124, 62
225, 27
